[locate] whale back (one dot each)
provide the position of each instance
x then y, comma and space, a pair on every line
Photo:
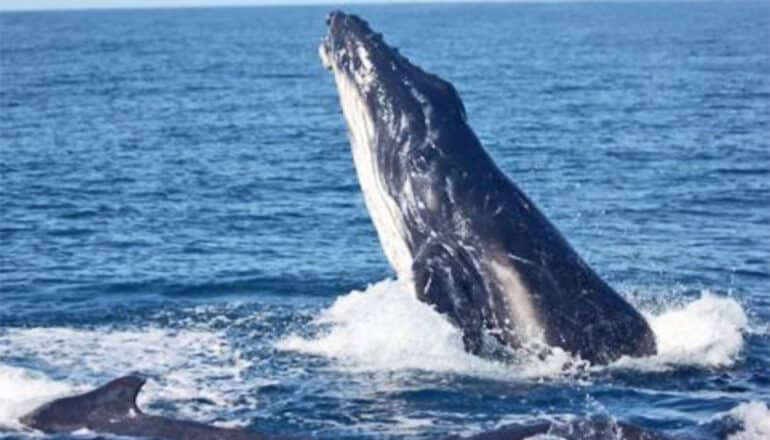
115, 400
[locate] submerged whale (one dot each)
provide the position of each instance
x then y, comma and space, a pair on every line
112, 409
472, 243
578, 429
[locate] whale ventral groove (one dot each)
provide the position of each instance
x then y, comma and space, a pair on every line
453, 224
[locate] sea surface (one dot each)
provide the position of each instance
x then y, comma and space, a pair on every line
177, 199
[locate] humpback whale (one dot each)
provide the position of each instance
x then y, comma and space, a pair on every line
470, 241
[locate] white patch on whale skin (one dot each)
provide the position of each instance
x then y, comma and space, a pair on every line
382, 208
325, 61
363, 55
523, 317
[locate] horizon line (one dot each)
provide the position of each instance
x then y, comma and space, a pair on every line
299, 3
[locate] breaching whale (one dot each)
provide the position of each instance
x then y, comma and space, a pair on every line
471, 242
112, 409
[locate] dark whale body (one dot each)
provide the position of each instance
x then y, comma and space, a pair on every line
112, 409
575, 430
470, 241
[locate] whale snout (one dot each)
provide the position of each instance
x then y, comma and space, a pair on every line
340, 23
351, 45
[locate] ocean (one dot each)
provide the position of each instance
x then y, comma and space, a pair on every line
178, 199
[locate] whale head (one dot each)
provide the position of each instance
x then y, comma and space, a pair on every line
400, 118
399, 94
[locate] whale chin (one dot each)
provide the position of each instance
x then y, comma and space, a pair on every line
383, 208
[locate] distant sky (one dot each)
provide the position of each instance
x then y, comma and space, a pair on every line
93, 4
24, 5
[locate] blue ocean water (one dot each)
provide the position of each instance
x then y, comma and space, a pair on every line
177, 198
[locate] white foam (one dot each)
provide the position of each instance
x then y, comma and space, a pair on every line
383, 328
755, 418
181, 365
387, 328
23, 390
707, 332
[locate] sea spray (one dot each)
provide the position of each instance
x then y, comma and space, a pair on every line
385, 327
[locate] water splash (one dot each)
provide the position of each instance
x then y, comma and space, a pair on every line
385, 327
755, 420
707, 332
382, 328
186, 366
22, 390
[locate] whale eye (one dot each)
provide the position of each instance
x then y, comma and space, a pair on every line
424, 158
